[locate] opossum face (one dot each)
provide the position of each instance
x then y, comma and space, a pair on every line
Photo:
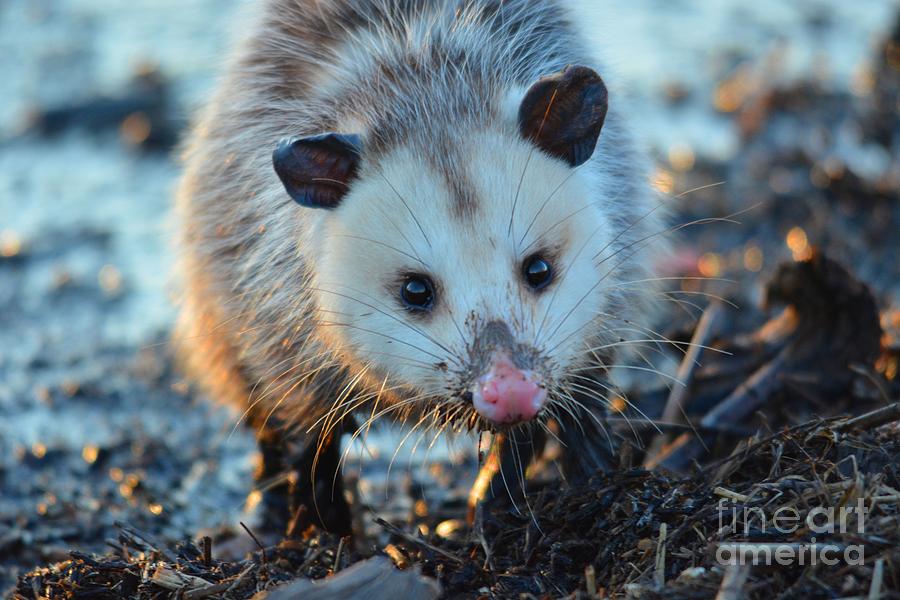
472, 282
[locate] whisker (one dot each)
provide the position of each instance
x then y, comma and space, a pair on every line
699, 188
673, 278
403, 441
303, 378
679, 227
571, 398
605, 401
543, 206
683, 304
388, 246
411, 213
512, 213
520, 467
618, 393
385, 313
642, 342
705, 295
265, 393
557, 288
565, 272
373, 332
648, 330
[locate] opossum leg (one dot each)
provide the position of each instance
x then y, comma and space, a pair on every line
301, 485
589, 446
317, 488
503, 472
272, 481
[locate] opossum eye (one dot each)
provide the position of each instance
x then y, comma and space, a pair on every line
537, 272
417, 292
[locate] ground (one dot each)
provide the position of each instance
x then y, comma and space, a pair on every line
783, 116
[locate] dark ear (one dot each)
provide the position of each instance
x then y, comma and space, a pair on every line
317, 171
563, 113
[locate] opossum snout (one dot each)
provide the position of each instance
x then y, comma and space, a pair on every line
507, 394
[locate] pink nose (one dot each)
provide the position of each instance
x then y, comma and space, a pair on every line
506, 394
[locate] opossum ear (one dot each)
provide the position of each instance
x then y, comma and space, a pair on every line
564, 112
317, 171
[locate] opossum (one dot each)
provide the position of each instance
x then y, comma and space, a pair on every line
423, 210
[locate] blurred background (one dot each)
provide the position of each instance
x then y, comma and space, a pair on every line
784, 112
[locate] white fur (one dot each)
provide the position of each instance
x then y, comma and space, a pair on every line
286, 288
476, 262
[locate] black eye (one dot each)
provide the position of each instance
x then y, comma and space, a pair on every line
537, 272
417, 292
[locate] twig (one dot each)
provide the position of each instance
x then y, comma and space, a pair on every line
675, 409
660, 572
478, 531
311, 558
253, 537
170, 579
417, 541
206, 592
670, 427
397, 556
873, 419
738, 405
890, 498
726, 493
873, 378
750, 395
337, 555
234, 583
206, 542
147, 541
590, 581
732, 587
877, 580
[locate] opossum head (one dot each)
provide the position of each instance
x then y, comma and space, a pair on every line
472, 276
